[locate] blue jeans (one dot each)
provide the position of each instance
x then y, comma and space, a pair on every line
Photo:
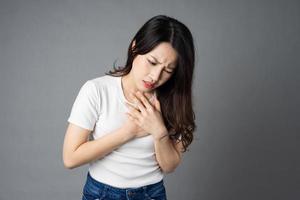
95, 190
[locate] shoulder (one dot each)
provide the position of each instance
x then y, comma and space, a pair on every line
101, 86
103, 81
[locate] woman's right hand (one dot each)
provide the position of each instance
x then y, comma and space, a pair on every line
134, 130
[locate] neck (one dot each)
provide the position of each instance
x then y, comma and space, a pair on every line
129, 86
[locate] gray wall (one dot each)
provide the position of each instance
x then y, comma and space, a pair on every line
246, 93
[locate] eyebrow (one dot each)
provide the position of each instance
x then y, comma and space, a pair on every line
159, 62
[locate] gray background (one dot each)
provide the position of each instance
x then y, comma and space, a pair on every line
246, 93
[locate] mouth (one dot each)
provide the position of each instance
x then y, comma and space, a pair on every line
148, 85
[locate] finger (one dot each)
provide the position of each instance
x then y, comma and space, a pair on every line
132, 118
129, 116
133, 111
138, 102
150, 98
131, 105
145, 101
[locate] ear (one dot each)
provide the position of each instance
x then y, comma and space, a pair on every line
133, 45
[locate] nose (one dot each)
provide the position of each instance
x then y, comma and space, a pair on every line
156, 73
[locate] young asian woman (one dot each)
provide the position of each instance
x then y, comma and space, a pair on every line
140, 116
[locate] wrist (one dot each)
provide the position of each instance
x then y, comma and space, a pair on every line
126, 135
161, 134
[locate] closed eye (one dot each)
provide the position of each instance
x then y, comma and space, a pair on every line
152, 63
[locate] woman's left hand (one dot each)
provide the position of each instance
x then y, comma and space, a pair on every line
147, 116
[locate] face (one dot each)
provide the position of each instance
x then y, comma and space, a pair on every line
157, 67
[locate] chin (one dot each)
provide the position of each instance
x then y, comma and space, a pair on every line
143, 89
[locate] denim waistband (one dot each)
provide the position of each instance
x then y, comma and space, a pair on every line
122, 190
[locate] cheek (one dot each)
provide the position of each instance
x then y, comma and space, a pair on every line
141, 66
161, 82
165, 78
145, 65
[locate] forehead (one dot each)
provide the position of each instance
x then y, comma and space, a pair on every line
164, 53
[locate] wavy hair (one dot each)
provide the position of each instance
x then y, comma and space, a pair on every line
175, 95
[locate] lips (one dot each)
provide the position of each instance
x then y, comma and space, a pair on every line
148, 84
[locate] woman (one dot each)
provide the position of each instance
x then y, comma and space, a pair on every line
140, 116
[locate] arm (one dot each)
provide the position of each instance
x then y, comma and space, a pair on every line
149, 117
78, 151
168, 154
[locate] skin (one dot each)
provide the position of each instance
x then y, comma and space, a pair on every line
146, 116
157, 65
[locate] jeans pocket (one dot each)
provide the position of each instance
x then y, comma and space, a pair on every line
92, 191
157, 193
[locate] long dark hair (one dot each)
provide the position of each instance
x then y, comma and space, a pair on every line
175, 95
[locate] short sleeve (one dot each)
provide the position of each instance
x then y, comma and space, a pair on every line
85, 109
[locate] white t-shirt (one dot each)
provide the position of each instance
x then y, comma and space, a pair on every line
100, 107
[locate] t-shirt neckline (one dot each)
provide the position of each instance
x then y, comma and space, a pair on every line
122, 95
